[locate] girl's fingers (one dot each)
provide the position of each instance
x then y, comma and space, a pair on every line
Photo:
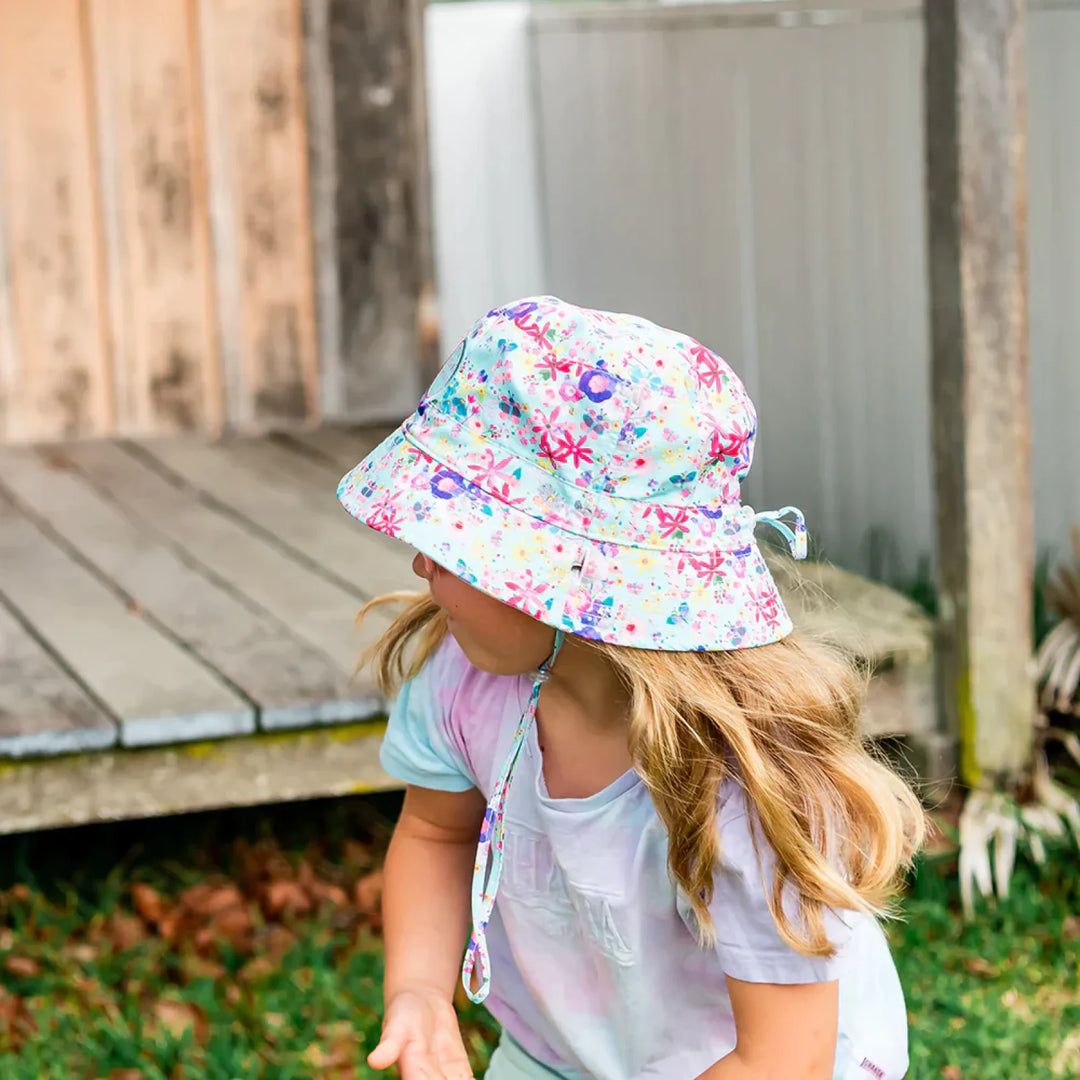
389, 1049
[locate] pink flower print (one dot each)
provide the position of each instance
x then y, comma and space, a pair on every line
569, 392
544, 423
551, 366
527, 594
384, 515
596, 385
730, 444
490, 472
533, 329
569, 450
710, 568
415, 450
707, 367
768, 606
671, 523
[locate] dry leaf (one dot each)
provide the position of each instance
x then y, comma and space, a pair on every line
356, 855
147, 902
1070, 927
978, 965
261, 967
279, 941
125, 1074
952, 1072
82, 953
177, 1017
323, 892
23, 966
208, 900
169, 925
125, 931
20, 893
233, 925
285, 898
193, 966
368, 892
7, 939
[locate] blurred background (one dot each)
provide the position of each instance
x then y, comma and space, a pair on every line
237, 237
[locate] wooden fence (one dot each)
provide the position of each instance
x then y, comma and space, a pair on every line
210, 214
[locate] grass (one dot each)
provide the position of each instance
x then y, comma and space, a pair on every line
245, 944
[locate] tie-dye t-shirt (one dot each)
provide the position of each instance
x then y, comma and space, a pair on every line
595, 967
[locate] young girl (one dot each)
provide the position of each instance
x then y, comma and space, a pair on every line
683, 845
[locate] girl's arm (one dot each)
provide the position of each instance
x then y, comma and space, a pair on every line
783, 1032
426, 889
426, 918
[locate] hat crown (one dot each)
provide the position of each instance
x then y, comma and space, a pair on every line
607, 402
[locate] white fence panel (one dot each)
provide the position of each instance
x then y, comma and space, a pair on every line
753, 173
485, 178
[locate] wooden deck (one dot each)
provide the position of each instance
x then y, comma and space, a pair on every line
161, 598
166, 592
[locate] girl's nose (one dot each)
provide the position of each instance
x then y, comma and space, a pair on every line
423, 567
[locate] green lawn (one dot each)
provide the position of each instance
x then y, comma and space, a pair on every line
251, 950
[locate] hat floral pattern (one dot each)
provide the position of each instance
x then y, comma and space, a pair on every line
585, 467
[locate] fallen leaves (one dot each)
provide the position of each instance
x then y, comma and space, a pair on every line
22, 966
179, 1017
165, 965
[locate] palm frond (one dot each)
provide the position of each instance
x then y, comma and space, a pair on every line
1058, 659
993, 826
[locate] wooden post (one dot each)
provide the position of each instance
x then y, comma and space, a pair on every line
976, 127
369, 202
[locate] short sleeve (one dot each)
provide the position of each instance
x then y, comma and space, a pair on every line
748, 944
419, 747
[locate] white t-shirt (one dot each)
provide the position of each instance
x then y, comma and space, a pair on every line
595, 968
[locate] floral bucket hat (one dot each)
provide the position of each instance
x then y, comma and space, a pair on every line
585, 468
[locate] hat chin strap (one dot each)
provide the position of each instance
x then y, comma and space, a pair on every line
796, 538
489, 851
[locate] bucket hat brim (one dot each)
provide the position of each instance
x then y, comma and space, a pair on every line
648, 597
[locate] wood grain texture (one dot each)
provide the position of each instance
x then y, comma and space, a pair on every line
43, 711
317, 611
253, 96
54, 376
291, 683
366, 124
340, 447
156, 222
977, 206
157, 691
294, 502
171, 780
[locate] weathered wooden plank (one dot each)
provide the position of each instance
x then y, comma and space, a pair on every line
156, 690
156, 221
366, 127
262, 768
340, 447
257, 165
57, 383
316, 610
291, 683
976, 173
43, 711
292, 501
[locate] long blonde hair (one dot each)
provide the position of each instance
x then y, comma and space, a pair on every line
781, 720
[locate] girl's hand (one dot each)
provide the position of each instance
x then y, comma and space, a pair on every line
421, 1033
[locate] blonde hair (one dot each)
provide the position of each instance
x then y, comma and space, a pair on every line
782, 721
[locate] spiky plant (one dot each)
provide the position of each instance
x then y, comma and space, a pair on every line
1059, 655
